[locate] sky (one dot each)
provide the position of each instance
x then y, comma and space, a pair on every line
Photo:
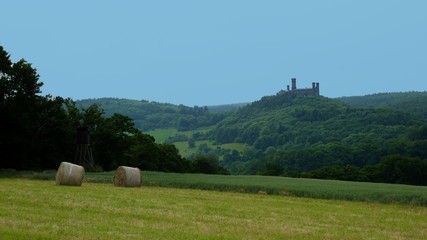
212, 52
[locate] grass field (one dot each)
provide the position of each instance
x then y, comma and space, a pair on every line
162, 134
298, 187
35, 209
185, 151
240, 147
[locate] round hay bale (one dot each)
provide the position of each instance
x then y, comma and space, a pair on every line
70, 174
127, 177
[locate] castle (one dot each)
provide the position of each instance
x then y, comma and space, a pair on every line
313, 91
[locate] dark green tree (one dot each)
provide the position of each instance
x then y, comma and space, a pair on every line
404, 170
34, 128
111, 138
207, 164
191, 143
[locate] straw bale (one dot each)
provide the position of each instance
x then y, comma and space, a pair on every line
127, 177
70, 174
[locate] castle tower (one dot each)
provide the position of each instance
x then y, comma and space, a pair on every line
294, 83
317, 89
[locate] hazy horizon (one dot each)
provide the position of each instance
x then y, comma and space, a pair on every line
214, 105
222, 52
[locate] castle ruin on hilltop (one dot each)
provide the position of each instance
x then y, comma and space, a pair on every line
313, 91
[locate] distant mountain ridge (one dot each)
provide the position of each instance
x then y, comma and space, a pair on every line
153, 115
407, 102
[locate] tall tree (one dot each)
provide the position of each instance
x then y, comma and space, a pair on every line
33, 127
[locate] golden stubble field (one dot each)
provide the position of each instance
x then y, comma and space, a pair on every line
31, 209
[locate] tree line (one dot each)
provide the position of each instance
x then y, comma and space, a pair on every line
414, 103
153, 115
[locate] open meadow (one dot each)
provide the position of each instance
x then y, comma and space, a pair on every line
39, 209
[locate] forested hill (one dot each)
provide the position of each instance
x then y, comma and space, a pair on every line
153, 115
303, 133
285, 120
226, 107
409, 102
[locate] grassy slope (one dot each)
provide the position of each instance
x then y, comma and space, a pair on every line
162, 134
185, 151
32, 209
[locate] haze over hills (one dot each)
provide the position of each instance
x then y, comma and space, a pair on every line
149, 115
408, 102
153, 115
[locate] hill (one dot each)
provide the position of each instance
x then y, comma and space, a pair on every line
408, 102
153, 115
291, 121
302, 133
226, 107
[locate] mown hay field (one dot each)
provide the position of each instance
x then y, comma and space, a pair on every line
296, 187
34, 209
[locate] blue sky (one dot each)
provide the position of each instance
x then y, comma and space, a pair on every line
218, 52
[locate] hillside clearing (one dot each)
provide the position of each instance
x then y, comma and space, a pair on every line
41, 210
162, 134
